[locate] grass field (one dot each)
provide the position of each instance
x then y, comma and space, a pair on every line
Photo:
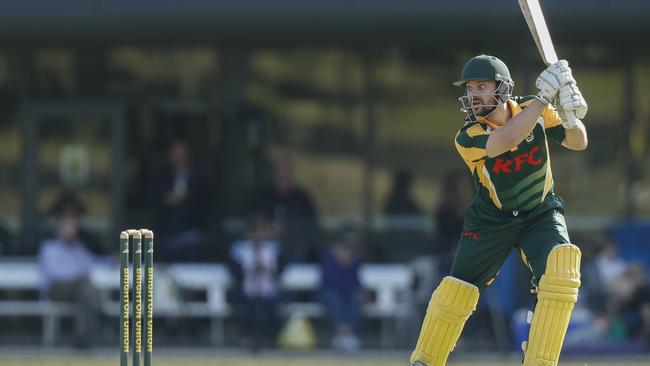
261, 361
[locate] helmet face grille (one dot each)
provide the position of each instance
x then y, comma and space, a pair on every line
501, 94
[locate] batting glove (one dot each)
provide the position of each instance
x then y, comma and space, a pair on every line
571, 99
551, 79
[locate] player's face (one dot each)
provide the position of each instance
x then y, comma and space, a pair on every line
481, 95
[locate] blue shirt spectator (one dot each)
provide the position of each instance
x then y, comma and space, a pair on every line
340, 271
65, 265
341, 290
62, 261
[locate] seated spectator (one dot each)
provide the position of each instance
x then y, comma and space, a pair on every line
180, 200
341, 290
68, 203
400, 201
603, 276
65, 263
633, 293
256, 263
293, 211
592, 292
609, 265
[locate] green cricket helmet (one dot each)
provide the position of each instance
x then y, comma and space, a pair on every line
485, 67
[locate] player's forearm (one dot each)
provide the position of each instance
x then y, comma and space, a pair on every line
576, 138
514, 131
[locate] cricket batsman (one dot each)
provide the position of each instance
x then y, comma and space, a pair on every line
504, 143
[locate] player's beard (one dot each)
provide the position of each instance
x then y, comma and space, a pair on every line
482, 109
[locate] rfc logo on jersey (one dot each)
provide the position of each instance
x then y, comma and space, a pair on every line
472, 235
517, 163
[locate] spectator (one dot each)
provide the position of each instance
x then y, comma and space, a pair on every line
609, 265
65, 264
636, 307
67, 204
592, 289
400, 202
292, 209
256, 263
180, 199
603, 285
626, 302
341, 290
456, 195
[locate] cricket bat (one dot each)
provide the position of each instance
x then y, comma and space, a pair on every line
537, 25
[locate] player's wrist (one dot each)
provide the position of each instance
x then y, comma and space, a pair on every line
568, 125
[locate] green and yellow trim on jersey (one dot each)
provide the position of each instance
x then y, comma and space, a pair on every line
484, 179
521, 178
471, 143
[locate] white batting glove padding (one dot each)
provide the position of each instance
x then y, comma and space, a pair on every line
566, 122
571, 99
562, 72
551, 79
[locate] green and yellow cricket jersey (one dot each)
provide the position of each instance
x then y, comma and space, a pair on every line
517, 180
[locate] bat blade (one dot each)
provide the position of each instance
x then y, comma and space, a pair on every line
537, 25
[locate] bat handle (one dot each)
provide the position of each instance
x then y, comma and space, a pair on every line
571, 119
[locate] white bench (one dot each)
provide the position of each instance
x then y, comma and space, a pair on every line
24, 275
169, 281
391, 285
215, 280
20, 275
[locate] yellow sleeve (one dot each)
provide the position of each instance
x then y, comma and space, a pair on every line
551, 117
553, 124
470, 143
